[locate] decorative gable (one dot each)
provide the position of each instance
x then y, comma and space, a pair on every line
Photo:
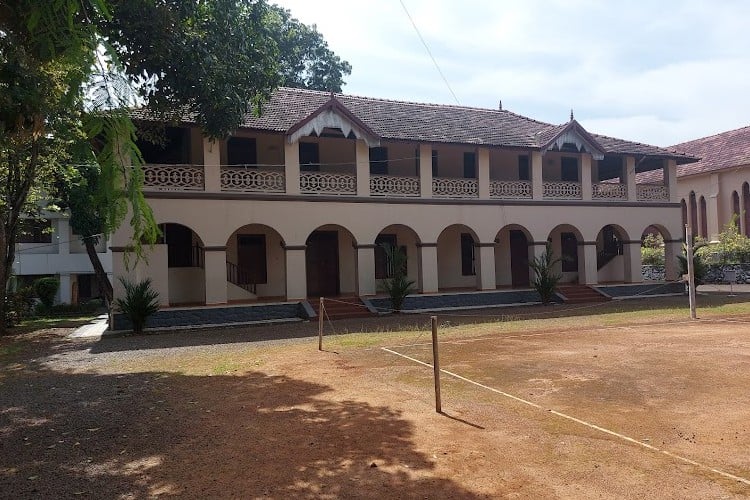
573, 134
333, 115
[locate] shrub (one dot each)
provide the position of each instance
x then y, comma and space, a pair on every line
652, 250
398, 286
46, 289
18, 306
699, 266
140, 302
545, 279
732, 247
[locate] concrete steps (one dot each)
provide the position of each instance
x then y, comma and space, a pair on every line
580, 294
342, 308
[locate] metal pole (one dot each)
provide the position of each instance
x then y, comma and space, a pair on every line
320, 325
436, 364
691, 270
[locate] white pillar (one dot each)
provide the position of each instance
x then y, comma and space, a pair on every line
537, 179
425, 170
65, 291
483, 174
63, 237
672, 248
428, 267
362, 154
633, 266
536, 249
586, 188
486, 271
590, 272
631, 179
296, 272
212, 165
291, 167
365, 270
215, 264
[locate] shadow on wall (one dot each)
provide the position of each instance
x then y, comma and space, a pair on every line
145, 434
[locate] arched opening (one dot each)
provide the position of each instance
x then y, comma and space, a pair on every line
684, 208
611, 262
693, 212
255, 264
406, 240
655, 253
185, 264
457, 258
512, 255
330, 262
736, 209
746, 207
567, 243
703, 218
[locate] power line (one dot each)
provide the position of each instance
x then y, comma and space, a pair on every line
429, 52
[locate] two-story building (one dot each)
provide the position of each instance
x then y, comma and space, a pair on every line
296, 203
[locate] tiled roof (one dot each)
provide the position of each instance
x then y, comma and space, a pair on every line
401, 120
726, 150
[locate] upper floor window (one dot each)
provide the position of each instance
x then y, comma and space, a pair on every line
309, 157
434, 163
35, 231
241, 151
173, 149
470, 166
379, 160
523, 168
569, 169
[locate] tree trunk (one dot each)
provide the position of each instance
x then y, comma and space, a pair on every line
101, 276
3, 276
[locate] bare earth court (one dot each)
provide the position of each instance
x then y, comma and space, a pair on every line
625, 400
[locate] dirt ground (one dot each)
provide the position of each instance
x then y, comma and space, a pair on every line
227, 414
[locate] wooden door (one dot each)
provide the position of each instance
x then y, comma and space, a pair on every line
519, 259
251, 259
322, 263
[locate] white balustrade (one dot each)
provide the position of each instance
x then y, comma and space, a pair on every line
173, 177
652, 192
510, 189
448, 187
391, 185
609, 191
252, 180
327, 183
562, 190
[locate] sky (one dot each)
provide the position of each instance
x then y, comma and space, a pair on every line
655, 71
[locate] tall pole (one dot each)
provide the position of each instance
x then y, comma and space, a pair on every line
690, 270
320, 325
436, 364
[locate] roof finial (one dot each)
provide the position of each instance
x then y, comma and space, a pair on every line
500, 104
571, 114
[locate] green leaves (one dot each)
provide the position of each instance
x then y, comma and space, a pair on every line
545, 279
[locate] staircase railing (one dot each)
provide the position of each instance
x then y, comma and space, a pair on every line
240, 277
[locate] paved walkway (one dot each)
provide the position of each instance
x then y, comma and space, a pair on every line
95, 329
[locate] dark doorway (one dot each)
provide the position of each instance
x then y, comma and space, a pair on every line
251, 259
519, 258
322, 263
569, 256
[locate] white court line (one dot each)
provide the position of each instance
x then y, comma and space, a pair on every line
579, 421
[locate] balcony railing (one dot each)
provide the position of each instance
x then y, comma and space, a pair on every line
391, 185
173, 177
448, 187
609, 191
562, 190
327, 183
510, 190
253, 180
652, 192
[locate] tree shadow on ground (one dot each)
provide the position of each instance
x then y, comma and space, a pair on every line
135, 435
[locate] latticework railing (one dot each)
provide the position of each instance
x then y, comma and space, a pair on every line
391, 185
652, 192
510, 189
252, 180
448, 187
327, 183
174, 177
609, 191
562, 190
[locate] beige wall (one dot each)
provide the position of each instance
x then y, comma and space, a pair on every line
504, 164
186, 285
449, 259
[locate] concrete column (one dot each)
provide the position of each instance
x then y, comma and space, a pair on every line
714, 225
670, 180
536, 250
537, 179
428, 267
296, 272
365, 270
630, 178
587, 271
486, 268
483, 174
586, 188
672, 248
63, 237
632, 253
64, 293
215, 264
362, 154
291, 167
156, 267
212, 165
425, 170
120, 271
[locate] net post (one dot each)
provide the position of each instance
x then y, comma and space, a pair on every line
320, 324
690, 270
436, 364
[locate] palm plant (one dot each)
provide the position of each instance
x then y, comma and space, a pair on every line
545, 278
699, 267
140, 302
398, 285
